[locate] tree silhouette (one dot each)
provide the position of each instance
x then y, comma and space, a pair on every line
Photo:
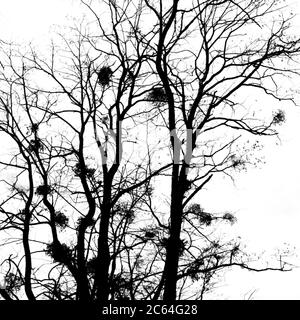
113, 135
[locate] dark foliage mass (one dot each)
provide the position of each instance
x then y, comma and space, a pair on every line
59, 252
158, 95
104, 76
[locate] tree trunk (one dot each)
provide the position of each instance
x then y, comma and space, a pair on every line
101, 276
173, 245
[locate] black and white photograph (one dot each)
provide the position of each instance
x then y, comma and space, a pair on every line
149, 151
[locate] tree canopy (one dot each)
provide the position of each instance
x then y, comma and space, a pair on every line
114, 132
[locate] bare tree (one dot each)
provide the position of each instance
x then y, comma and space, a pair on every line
62, 131
148, 94
203, 59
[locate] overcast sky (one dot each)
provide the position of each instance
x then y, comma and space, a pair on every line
265, 200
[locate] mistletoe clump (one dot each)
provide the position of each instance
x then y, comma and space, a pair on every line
205, 218
59, 252
35, 145
195, 267
80, 170
13, 282
61, 220
124, 209
229, 217
158, 96
278, 117
43, 190
237, 163
104, 76
195, 209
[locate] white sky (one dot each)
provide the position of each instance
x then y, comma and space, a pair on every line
32, 19
266, 200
